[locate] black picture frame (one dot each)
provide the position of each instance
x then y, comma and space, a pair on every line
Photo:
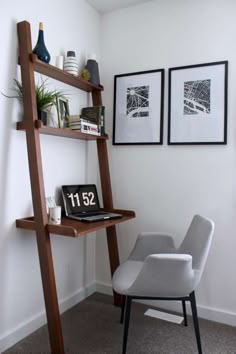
197, 104
138, 108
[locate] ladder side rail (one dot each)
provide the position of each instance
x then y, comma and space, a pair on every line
107, 200
37, 189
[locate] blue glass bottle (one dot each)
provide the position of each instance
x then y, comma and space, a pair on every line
40, 49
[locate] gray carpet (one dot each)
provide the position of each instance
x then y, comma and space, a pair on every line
93, 326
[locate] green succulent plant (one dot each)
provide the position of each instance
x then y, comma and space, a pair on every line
45, 98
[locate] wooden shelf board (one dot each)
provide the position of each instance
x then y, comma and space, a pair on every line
73, 228
67, 133
63, 76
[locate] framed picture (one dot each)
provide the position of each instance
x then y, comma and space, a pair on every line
138, 108
198, 104
63, 112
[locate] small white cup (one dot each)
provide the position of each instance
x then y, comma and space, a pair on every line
59, 61
55, 215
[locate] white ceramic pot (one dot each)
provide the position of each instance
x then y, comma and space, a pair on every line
71, 63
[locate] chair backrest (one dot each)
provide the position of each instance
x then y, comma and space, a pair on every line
198, 240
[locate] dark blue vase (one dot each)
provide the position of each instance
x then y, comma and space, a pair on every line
40, 49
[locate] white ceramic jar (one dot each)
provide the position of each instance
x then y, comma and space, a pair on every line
71, 63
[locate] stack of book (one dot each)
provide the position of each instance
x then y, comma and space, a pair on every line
91, 120
95, 115
77, 123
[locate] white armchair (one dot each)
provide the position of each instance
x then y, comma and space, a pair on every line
157, 270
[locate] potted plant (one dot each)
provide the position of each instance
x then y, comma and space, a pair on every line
45, 98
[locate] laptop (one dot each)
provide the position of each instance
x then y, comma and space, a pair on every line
81, 203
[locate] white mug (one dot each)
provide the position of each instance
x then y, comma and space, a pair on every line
55, 215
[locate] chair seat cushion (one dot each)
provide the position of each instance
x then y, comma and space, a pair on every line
125, 275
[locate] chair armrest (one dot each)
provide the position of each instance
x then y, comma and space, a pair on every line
165, 275
152, 243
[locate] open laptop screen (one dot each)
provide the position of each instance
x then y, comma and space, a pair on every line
80, 198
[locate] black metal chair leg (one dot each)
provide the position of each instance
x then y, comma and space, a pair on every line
184, 312
123, 309
195, 321
126, 326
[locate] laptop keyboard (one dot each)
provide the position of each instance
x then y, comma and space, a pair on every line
92, 213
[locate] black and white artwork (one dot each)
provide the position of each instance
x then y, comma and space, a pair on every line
138, 108
197, 98
198, 104
138, 102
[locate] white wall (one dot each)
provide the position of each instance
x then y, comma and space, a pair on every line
180, 180
73, 25
167, 185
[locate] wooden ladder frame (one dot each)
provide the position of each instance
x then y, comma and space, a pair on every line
38, 192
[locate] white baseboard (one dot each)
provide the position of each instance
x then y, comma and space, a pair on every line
207, 313
104, 288
13, 336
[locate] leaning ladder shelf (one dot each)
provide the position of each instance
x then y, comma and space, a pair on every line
39, 222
